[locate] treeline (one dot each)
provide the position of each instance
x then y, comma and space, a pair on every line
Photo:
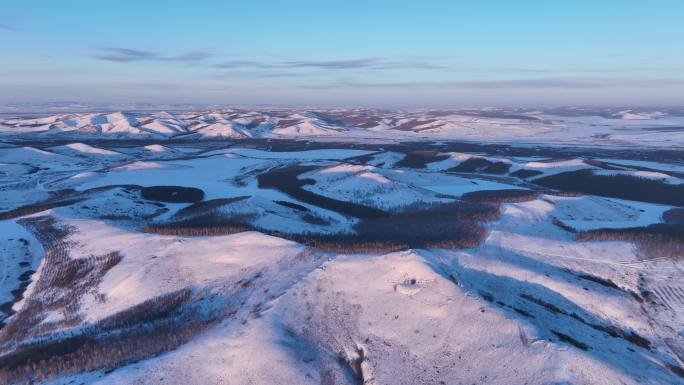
420, 159
655, 241
525, 173
59, 288
477, 164
37, 207
447, 225
501, 196
615, 186
206, 224
150, 328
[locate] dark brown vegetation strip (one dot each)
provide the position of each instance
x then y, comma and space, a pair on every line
209, 224
601, 281
557, 222
570, 340
500, 196
613, 331
292, 205
616, 186
37, 207
603, 165
659, 240
678, 370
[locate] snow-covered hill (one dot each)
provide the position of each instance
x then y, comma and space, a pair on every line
182, 259
588, 127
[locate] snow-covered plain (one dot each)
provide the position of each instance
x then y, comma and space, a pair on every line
530, 304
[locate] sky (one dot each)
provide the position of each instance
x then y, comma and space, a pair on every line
380, 53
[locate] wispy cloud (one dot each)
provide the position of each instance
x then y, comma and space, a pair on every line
124, 55
230, 64
7, 27
333, 64
371, 63
251, 74
541, 83
576, 70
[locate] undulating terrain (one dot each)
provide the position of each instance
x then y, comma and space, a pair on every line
345, 246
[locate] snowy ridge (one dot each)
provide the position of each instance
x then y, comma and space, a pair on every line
596, 127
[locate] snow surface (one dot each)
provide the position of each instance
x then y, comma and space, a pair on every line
626, 128
492, 314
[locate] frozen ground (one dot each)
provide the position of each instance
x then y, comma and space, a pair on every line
177, 262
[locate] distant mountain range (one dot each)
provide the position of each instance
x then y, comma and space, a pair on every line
590, 126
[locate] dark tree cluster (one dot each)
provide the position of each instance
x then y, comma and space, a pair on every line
420, 159
450, 225
501, 196
658, 240
172, 194
477, 164
616, 186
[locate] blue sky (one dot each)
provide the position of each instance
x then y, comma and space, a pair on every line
369, 53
